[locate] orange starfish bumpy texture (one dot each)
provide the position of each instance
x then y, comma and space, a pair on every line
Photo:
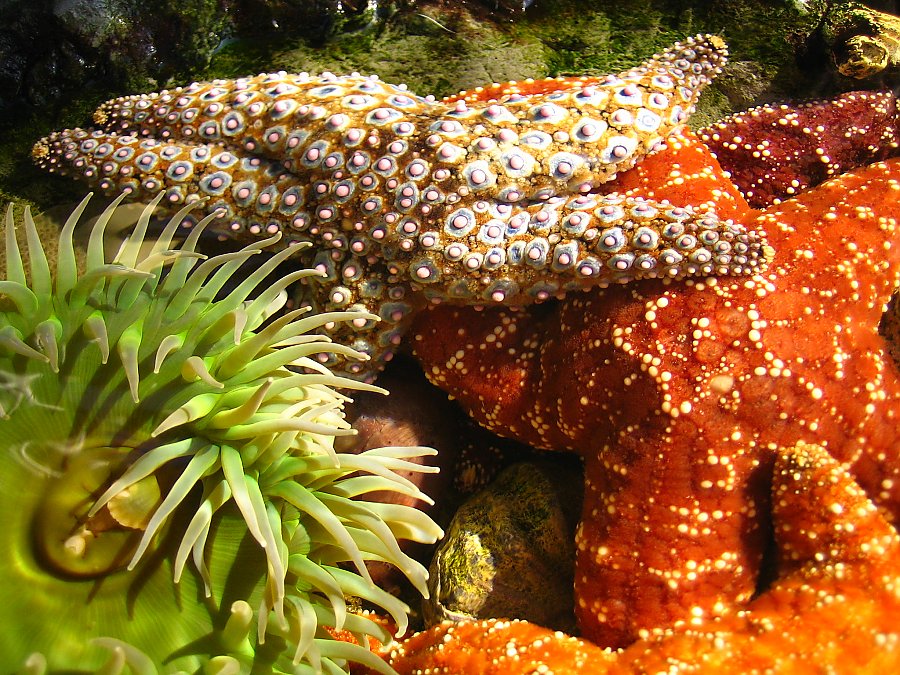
680, 396
836, 601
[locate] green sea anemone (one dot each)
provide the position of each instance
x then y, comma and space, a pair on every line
171, 497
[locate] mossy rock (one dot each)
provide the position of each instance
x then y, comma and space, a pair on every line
509, 551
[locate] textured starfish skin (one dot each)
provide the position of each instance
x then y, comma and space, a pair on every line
407, 199
776, 151
836, 600
677, 395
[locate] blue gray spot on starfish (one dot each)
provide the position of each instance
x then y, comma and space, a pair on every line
408, 200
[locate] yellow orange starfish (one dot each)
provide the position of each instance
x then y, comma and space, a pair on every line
408, 200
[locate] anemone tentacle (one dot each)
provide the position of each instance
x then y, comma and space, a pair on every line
169, 460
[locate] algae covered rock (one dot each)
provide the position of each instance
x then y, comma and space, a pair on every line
509, 551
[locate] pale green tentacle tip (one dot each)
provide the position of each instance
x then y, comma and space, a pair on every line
237, 426
35, 664
235, 637
222, 665
122, 656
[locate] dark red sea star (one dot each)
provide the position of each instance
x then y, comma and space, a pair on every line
776, 151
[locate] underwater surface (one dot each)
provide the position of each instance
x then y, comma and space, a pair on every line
515, 207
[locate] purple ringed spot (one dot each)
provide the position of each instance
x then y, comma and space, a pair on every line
670, 257
147, 161
630, 94
416, 169
678, 213
267, 199
611, 240
224, 160
589, 130
180, 171
494, 258
645, 238
460, 222
333, 160
621, 262
398, 147
199, 154
662, 82
479, 176
610, 213
123, 154
673, 230
645, 262
274, 136
709, 237
233, 124
432, 195
103, 150
340, 296
174, 195
618, 149
215, 183
292, 198
428, 240
244, 192
575, 224
209, 130
547, 113
351, 272
455, 252
658, 100
501, 291
517, 163
518, 224
385, 166
701, 256
382, 116
326, 213
372, 205
589, 267
283, 108
424, 271
473, 261
408, 227
686, 242
643, 211
344, 189
536, 252
565, 256
564, 164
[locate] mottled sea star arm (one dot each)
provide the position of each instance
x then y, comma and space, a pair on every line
524, 147
468, 251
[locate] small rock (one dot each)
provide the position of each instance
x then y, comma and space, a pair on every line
509, 551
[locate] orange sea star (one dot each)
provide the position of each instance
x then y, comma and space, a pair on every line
678, 395
836, 601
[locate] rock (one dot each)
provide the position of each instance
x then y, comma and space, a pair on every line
509, 551
418, 413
